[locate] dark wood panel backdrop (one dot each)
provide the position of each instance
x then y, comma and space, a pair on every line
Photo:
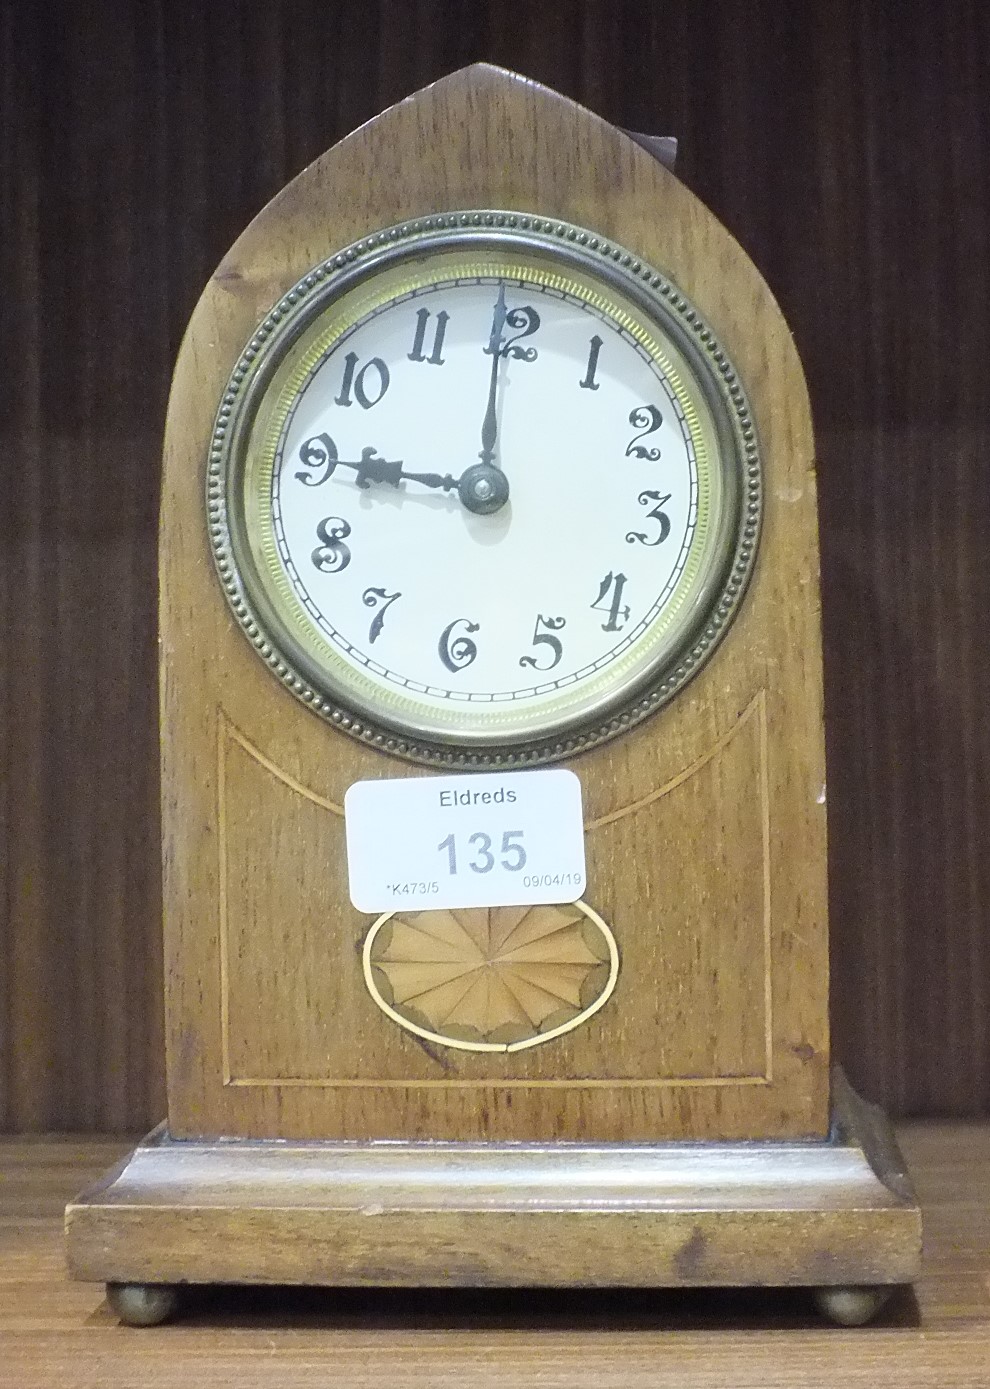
845, 144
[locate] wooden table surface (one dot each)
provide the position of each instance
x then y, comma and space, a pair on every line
60, 1335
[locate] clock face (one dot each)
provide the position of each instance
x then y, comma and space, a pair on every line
481, 491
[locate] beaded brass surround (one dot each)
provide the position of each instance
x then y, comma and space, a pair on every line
714, 599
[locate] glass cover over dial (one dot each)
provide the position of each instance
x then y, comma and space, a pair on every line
481, 493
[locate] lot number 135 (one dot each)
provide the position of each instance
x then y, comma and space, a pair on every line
513, 855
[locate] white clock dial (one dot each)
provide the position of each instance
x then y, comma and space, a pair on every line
485, 495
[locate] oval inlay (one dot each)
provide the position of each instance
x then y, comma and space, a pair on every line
491, 978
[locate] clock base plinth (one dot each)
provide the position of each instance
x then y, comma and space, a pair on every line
838, 1214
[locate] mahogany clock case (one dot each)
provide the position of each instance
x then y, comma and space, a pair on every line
738, 1046
717, 1029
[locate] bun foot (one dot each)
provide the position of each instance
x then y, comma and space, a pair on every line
142, 1304
851, 1306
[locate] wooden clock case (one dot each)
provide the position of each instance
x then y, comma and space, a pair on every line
694, 1132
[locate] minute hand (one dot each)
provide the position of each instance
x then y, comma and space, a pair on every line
489, 429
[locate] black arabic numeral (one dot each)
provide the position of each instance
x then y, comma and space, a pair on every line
377, 598
552, 624
647, 419
461, 651
333, 555
614, 609
594, 347
657, 514
357, 382
422, 319
318, 452
527, 321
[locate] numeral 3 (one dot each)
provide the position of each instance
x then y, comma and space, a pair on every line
657, 514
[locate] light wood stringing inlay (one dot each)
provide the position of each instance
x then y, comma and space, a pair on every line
310, 819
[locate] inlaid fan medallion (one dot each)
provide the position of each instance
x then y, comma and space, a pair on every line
491, 979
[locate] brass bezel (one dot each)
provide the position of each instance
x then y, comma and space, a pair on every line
719, 592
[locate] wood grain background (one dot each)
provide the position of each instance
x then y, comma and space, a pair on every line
845, 144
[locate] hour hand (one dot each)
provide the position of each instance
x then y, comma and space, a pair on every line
373, 469
481, 488
319, 454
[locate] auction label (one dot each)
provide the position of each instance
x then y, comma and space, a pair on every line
489, 840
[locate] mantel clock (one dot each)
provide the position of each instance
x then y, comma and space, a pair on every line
489, 473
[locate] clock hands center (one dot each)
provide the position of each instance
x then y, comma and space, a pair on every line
483, 488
